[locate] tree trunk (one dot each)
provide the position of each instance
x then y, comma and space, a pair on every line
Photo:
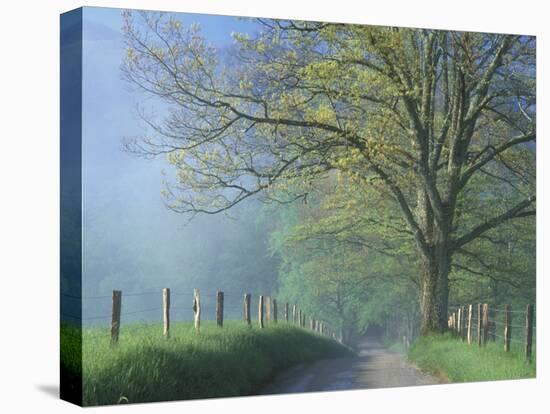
435, 264
434, 283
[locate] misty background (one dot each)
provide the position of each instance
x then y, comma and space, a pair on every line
131, 240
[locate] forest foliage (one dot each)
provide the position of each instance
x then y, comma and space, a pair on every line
395, 167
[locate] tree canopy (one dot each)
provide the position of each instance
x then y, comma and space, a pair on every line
434, 128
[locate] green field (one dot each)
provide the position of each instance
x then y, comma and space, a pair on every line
456, 361
236, 360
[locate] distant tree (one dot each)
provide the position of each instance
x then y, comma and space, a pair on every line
338, 268
439, 122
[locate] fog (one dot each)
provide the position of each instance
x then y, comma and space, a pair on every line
131, 241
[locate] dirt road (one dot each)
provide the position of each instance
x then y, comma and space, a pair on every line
374, 367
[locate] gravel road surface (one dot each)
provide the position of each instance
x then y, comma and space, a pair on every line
374, 367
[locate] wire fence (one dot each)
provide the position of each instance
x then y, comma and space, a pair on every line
481, 323
181, 304
151, 307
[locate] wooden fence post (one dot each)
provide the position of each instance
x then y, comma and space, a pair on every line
485, 323
455, 317
197, 309
528, 332
166, 311
267, 302
115, 319
459, 313
507, 327
286, 311
219, 309
479, 321
453, 322
463, 323
274, 309
261, 311
469, 333
247, 298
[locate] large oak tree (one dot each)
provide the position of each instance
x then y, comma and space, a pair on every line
433, 120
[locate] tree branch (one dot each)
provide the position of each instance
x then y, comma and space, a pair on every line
490, 155
515, 212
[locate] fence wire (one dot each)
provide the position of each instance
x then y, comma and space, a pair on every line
180, 308
497, 324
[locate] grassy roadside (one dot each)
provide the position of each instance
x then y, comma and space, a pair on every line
456, 361
232, 361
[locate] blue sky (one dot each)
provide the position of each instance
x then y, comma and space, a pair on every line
215, 28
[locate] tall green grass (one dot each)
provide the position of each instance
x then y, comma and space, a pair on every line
455, 360
143, 367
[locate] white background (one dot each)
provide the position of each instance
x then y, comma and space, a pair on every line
29, 207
